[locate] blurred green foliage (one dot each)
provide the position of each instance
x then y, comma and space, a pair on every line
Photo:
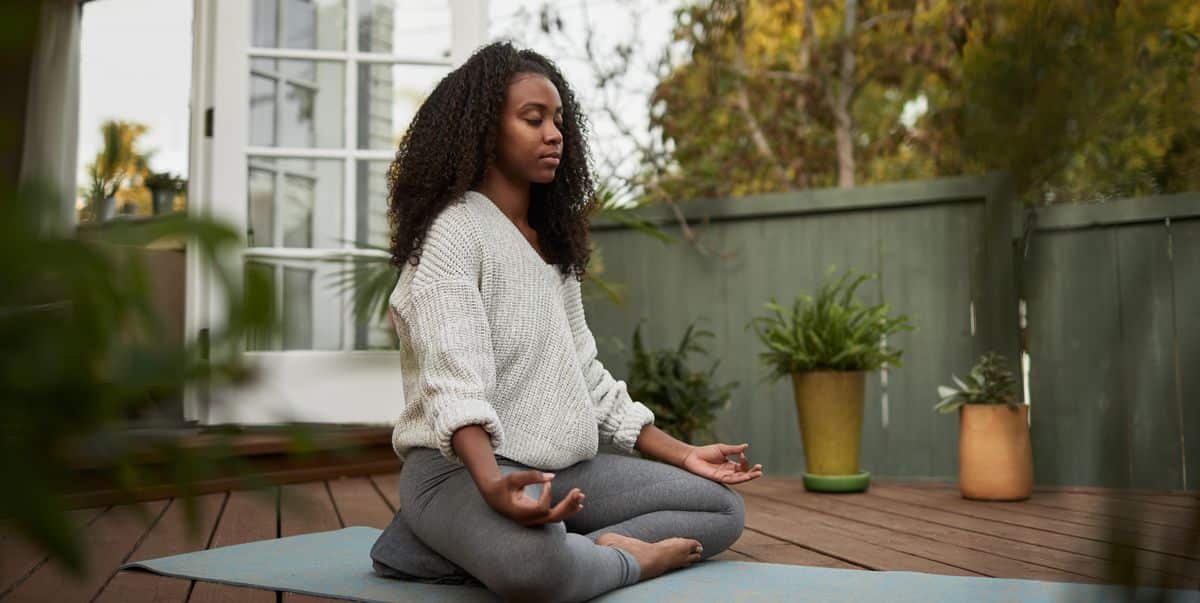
85, 350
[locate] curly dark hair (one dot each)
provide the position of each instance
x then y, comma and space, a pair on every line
445, 151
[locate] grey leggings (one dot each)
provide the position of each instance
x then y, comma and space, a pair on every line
560, 561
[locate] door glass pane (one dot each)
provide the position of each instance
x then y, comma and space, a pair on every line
296, 103
373, 283
411, 28
305, 291
310, 24
372, 204
298, 309
261, 225
260, 339
373, 279
262, 103
388, 98
295, 203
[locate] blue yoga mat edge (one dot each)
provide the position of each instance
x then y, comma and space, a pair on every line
337, 564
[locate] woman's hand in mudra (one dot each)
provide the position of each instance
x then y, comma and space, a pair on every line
712, 462
507, 496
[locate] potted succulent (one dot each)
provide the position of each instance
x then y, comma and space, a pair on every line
995, 457
684, 400
826, 344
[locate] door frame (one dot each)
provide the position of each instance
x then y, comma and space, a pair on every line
330, 386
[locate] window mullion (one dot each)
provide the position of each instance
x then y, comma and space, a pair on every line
349, 181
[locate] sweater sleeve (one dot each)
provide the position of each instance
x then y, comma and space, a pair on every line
619, 417
451, 339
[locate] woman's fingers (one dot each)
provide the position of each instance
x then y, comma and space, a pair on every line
544, 499
566, 507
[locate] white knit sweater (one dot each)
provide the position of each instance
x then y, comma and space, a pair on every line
490, 334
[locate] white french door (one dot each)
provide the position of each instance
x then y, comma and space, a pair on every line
297, 109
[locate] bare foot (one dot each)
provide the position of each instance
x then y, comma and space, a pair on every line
655, 558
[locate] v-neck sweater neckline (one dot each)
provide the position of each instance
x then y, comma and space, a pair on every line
484, 199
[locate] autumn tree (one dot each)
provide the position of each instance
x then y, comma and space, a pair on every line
118, 168
1077, 99
1082, 100
781, 94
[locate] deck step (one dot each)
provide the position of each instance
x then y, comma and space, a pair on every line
266, 454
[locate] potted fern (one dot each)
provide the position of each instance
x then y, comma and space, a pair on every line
684, 400
995, 457
826, 344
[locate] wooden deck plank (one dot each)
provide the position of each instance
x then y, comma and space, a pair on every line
732, 555
18, 557
1140, 531
1082, 539
1090, 501
249, 516
1182, 501
1088, 557
108, 541
805, 530
170, 536
303, 509
1162, 537
359, 504
1152, 513
766, 548
389, 485
932, 542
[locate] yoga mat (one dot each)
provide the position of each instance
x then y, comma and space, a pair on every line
337, 564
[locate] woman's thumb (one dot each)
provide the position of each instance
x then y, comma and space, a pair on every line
525, 478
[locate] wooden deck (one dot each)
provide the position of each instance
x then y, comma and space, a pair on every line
1058, 535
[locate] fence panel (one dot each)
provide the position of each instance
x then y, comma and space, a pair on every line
934, 244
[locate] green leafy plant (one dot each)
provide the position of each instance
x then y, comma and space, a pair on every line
86, 351
989, 382
684, 400
831, 331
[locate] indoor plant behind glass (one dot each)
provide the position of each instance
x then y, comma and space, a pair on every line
826, 344
995, 457
164, 187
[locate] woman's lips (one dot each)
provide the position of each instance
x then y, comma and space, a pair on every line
549, 160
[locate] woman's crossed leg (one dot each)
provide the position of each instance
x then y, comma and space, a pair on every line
569, 561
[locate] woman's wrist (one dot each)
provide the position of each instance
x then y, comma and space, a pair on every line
683, 456
658, 444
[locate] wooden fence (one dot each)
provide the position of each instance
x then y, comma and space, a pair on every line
942, 249
1112, 292
1113, 296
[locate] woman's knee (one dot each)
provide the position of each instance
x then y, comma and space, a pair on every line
533, 568
731, 519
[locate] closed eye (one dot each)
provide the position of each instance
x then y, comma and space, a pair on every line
538, 122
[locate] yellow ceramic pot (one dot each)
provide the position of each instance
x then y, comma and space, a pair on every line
829, 408
995, 458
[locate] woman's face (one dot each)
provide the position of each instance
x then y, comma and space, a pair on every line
530, 143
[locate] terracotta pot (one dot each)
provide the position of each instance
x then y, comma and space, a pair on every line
829, 408
995, 458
